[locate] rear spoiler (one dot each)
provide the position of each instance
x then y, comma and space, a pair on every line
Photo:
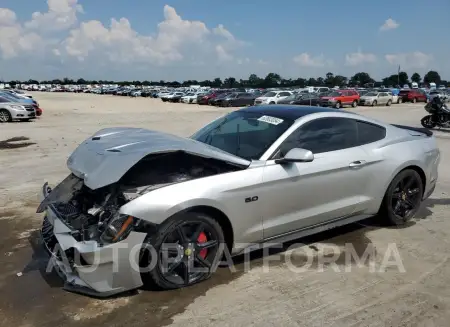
425, 131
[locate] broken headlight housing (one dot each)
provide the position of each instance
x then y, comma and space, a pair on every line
118, 228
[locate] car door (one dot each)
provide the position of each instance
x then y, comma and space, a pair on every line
299, 195
369, 137
283, 95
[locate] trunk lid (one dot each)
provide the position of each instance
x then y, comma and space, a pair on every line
106, 156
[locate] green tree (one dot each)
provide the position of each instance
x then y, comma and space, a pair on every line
361, 79
416, 78
432, 77
403, 78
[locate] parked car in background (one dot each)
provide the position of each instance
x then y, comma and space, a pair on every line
218, 99
272, 97
289, 99
376, 99
438, 93
188, 98
308, 99
413, 95
204, 99
338, 99
14, 110
176, 97
238, 99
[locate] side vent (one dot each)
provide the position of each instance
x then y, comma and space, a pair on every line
96, 138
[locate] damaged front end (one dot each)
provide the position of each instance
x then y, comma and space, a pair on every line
94, 245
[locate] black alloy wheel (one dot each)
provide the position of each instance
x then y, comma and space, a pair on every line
188, 249
403, 197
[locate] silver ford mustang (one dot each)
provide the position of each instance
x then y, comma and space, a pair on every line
141, 203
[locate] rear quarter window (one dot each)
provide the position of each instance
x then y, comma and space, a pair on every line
369, 133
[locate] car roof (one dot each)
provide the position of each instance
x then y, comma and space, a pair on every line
291, 112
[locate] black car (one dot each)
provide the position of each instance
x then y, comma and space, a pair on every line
308, 99
218, 99
290, 99
238, 99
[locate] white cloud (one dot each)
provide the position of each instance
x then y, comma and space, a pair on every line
306, 60
61, 15
389, 24
358, 58
415, 59
7, 17
175, 39
222, 54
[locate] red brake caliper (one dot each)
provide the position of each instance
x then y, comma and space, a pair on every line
202, 239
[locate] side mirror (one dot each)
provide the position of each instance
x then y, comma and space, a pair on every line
296, 155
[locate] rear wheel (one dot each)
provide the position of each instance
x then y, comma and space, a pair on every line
389, 103
5, 116
374, 103
187, 248
354, 103
428, 122
272, 102
338, 105
403, 198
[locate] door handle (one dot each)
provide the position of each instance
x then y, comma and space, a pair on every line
358, 163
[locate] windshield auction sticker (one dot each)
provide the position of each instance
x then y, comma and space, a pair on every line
271, 120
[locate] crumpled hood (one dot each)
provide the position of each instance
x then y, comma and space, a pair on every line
106, 156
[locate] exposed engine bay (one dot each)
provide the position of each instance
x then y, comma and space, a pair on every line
89, 212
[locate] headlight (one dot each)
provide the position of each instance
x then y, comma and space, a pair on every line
119, 228
17, 107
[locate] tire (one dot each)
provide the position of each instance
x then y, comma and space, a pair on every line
403, 198
5, 116
414, 100
400, 100
354, 104
374, 103
338, 105
389, 103
272, 102
428, 122
167, 280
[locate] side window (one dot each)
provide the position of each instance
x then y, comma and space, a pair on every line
322, 135
2, 100
284, 94
368, 133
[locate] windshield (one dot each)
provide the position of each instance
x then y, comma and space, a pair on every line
334, 94
371, 94
245, 134
269, 94
291, 97
9, 96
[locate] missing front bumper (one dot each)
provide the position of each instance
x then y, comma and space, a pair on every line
87, 267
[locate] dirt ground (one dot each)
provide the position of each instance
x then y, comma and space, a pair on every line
418, 296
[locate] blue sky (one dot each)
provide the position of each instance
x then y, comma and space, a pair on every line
199, 39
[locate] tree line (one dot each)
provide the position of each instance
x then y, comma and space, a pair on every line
271, 80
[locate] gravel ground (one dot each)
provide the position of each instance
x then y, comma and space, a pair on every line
366, 295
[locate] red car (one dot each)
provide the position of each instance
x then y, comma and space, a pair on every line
340, 98
204, 99
412, 96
